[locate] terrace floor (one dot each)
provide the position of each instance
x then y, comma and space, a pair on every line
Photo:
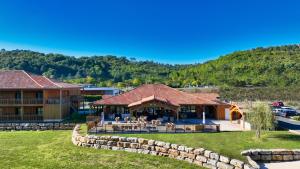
181, 126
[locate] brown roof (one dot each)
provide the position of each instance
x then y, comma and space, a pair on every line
19, 79
209, 96
156, 92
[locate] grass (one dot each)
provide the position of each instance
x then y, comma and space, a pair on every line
226, 143
231, 143
53, 149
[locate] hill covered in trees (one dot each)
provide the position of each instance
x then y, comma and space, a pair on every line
273, 66
101, 70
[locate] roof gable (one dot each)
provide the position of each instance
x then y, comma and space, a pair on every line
161, 91
19, 79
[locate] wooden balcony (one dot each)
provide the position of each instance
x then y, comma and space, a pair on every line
33, 101
10, 101
26, 101
10, 117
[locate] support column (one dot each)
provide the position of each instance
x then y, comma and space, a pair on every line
22, 105
60, 103
203, 118
44, 102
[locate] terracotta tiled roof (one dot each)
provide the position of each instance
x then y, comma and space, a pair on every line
19, 79
209, 96
159, 91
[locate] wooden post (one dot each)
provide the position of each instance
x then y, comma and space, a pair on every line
22, 105
60, 103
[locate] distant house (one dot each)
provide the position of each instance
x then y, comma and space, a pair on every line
93, 90
28, 97
157, 101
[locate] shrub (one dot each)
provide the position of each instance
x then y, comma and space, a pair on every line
296, 118
92, 98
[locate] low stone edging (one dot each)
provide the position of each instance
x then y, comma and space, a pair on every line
199, 156
36, 126
272, 155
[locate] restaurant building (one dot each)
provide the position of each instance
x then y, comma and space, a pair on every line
158, 101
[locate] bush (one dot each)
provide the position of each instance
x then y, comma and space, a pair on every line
92, 98
296, 118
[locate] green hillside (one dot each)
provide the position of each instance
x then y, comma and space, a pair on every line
273, 66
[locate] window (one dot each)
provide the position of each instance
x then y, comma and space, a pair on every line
39, 95
188, 109
18, 111
39, 111
193, 109
18, 95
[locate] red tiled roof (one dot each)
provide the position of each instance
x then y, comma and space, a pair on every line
209, 96
160, 91
19, 79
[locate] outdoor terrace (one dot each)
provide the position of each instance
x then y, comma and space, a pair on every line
154, 126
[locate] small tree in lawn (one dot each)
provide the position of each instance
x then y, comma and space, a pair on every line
261, 117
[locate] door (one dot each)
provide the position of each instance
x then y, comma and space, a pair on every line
227, 114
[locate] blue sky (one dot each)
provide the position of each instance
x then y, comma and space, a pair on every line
167, 31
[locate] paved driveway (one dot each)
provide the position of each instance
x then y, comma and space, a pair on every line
283, 165
287, 123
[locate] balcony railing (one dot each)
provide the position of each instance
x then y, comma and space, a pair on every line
57, 101
19, 101
33, 101
9, 117
10, 101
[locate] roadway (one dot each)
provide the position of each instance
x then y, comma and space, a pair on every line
288, 124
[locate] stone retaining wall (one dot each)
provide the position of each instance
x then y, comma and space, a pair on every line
272, 155
198, 156
36, 126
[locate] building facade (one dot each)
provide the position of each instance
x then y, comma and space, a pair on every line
27, 97
157, 101
93, 90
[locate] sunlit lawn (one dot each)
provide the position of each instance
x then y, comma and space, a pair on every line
53, 149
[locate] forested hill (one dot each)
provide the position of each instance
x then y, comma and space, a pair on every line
102, 70
273, 66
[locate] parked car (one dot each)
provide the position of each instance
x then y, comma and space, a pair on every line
277, 104
276, 111
287, 113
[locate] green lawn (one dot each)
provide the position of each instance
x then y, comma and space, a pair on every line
53, 149
231, 143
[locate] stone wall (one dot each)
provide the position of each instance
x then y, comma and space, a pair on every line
272, 155
198, 156
36, 126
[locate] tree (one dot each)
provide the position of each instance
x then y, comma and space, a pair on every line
261, 118
136, 82
90, 80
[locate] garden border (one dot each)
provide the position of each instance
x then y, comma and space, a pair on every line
199, 156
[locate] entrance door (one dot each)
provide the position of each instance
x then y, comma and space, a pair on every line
227, 114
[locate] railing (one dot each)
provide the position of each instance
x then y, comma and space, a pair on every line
33, 101
10, 101
133, 128
19, 101
57, 101
16, 118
